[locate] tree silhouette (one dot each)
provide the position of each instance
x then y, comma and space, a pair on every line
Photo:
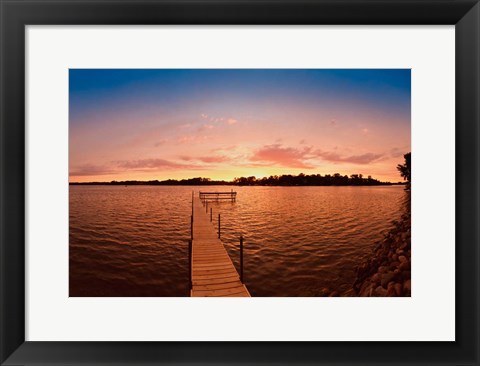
404, 168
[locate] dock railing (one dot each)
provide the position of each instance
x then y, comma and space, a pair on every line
218, 196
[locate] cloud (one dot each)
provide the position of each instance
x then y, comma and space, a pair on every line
120, 166
191, 139
334, 157
149, 164
283, 156
159, 143
90, 169
212, 119
206, 159
227, 148
205, 127
291, 157
397, 152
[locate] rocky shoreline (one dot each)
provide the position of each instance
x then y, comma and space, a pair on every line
388, 271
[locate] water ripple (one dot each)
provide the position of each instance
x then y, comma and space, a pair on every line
132, 241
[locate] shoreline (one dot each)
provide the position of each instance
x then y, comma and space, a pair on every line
388, 270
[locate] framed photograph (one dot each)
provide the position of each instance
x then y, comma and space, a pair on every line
239, 182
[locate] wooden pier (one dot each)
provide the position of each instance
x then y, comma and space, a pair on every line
212, 271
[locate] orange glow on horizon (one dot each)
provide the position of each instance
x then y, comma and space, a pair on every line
227, 175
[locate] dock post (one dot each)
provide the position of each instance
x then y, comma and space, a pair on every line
191, 227
206, 207
211, 213
192, 202
241, 258
190, 264
219, 226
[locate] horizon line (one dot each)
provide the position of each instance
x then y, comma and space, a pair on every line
232, 181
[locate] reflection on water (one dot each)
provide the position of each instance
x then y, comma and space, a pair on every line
132, 241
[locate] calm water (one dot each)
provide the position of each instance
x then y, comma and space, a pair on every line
132, 241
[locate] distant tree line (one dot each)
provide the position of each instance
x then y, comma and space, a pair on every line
310, 180
274, 180
168, 182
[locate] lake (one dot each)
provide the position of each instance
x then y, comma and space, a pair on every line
298, 241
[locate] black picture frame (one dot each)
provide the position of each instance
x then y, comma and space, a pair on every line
16, 14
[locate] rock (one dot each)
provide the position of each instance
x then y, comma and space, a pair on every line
370, 293
391, 292
380, 291
404, 266
367, 290
364, 286
386, 278
398, 289
334, 294
387, 270
324, 292
406, 275
407, 286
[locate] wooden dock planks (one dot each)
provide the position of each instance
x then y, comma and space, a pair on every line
213, 273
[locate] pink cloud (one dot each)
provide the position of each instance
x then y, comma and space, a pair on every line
211, 119
283, 156
191, 138
299, 157
150, 164
121, 166
90, 169
397, 152
205, 127
206, 159
159, 143
227, 148
334, 157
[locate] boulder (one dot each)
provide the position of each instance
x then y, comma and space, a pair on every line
386, 278
380, 291
404, 266
398, 289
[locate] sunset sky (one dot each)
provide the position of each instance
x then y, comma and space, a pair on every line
224, 123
